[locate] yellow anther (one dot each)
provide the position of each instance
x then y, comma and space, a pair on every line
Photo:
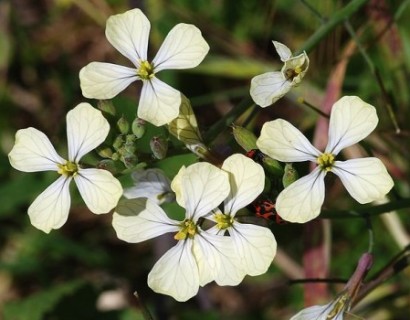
146, 70
69, 169
188, 230
326, 161
223, 221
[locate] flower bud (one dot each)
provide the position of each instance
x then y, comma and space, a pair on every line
138, 127
106, 106
107, 164
105, 152
123, 125
245, 138
290, 175
159, 147
130, 160
118, 142
272, 166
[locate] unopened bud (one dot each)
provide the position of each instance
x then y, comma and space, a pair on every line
106, 106
107, 164
290, 175
123, 125
272, 166
159, 147
130, 160
115, 156
245, 138
105, 152
138, 127
118, 142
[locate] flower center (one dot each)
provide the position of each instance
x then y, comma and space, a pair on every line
223, 221
188, 230
69, 169
146, 70
326, 161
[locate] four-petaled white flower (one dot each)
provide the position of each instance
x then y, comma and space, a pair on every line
183, 48
365, 179
152, 184
269, 87
199, 257
33, 151
254, 245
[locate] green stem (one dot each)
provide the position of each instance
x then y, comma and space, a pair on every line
333, 22
366, 211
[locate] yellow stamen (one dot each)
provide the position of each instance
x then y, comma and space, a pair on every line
188, 230
146, 70
69, 169
223, 221
326, 161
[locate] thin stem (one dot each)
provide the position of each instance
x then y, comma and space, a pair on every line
331, 24
314, 11
145, 312
312, 107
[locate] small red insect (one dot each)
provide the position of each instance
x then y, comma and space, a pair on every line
265, 208
256, 155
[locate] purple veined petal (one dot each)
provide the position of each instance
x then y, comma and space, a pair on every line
100, 80
86, 130
99, 189
183, 48
365, 179
50, 209
159, 103
176, 273
268, 88
255, 246
282, 141
137, 220
247, 180
302, 200
128, 33
351, 121
34, 152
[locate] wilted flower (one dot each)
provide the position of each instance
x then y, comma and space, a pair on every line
269, 87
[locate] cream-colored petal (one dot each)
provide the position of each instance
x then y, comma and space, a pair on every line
128, 33
50, 209
86, 130
159, 103
295, 68
255, 246
137, 220
282, 141
100, 80
217, 260
351, 121
268, 88
204, 187
365, 179
183, 48
152, 184
33, 151
247, 180
99, 188
302, 200
176, 273
176, 186
318, 313
282, 50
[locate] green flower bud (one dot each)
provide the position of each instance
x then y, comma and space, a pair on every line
290, 175
106, 106
105, 152
115, 156
107, 164
130, 160
272, 166
130, 147
123, 125
118, 142
245, 138
159, 147
138, 127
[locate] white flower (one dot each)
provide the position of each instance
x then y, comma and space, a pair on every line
331, 311
152, 184
183, 48
254, 245
33, 151
365, 179
198, 257
269, 87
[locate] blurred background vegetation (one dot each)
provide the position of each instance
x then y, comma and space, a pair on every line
82, 271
